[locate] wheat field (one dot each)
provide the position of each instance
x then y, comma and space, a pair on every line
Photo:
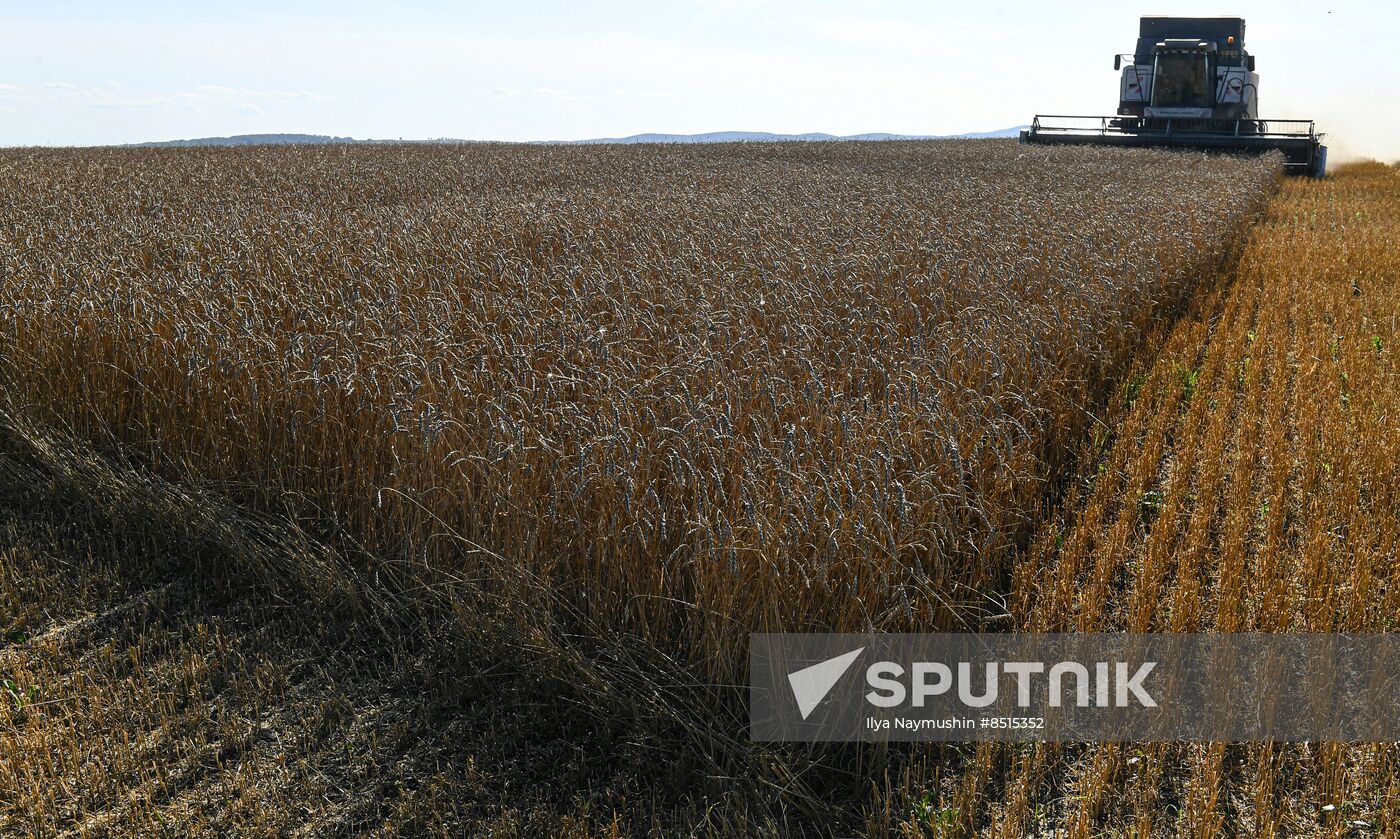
695, 393
603, 411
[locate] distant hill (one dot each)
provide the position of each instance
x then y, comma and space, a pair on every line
721, 137
1000, 133
767, 137
711, 137
285, 140
258, 140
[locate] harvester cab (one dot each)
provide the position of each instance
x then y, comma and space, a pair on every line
1189, 84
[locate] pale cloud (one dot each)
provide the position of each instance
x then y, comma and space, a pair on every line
562, 95
643, 94
243, 92
548, 93
119, 95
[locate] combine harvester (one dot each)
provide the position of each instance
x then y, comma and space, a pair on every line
1190, 84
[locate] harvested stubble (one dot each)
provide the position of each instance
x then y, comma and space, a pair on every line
689, 393
1249, 485
147, 690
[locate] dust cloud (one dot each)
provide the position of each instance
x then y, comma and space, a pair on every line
1354, 130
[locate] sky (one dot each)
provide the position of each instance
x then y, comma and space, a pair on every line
82, 73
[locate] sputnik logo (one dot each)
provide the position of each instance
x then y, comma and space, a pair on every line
810, 685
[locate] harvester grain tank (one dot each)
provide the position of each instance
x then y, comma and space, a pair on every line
1189, 84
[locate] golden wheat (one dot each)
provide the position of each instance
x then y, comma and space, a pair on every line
694, 392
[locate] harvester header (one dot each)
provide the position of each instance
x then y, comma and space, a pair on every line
1189, 83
